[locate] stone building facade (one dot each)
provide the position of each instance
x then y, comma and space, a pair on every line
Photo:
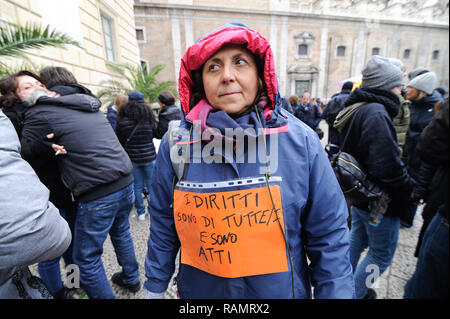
317, 44
104, 28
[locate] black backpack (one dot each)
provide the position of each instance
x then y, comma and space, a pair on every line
357, 187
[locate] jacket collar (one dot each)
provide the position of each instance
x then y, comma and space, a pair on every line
389, 100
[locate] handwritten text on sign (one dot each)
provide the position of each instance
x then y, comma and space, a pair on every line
231, 234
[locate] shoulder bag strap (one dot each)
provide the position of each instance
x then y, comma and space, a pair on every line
132, 133
349, 128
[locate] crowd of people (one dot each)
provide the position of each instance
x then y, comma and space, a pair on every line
268, 222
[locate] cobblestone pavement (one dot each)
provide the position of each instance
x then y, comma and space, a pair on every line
390, 285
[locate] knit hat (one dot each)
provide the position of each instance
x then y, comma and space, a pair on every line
424, 82
136, 96
381, 73
397, 63
417, 71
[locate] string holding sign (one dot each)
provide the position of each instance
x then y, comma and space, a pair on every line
231, 234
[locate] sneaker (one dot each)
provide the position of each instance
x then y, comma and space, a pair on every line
117, 279
371, 294
63, 294
141, 217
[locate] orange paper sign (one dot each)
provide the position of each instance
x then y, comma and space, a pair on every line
231, 234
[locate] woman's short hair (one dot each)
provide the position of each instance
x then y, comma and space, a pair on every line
120, 100
8, 88
56, 75
294, 99
166, 98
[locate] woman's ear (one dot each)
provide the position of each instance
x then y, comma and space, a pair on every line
422, 94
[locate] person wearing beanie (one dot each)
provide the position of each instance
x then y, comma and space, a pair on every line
424, 83
168, 112
416, 72
136, 96
381, 73
420, 91
372, 141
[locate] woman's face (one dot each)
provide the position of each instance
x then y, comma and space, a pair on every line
412, 93
230, 79
397, 90
27, 84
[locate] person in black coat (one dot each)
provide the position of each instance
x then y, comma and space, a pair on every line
93, 166
334, 106
49, 174
168, 112
308, 112
136, 127
372, 141
430, 279
420, 91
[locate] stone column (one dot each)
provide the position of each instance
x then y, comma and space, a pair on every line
323, 61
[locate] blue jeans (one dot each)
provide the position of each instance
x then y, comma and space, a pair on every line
95, 219
382, 242
49, 270
430, 279
142, 173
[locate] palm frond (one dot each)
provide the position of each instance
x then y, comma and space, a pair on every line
25, 64
14, 40
137, 80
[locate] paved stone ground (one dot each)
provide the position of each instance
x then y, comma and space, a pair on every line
390, 285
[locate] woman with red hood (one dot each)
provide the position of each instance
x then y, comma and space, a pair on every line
243, 187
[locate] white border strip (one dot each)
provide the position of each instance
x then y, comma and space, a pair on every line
230, 183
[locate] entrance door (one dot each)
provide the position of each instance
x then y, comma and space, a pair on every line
302, 86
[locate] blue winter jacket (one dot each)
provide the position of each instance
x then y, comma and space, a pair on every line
314, 209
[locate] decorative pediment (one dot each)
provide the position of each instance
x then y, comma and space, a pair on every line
306, 35
296, 68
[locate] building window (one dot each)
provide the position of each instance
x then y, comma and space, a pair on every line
435, 54
407, 54
140, 34
304, 42
108, 37
340, 51
375, 51
303, 50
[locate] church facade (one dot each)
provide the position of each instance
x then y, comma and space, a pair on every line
316, 44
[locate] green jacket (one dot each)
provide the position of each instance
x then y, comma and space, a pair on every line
401, 123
